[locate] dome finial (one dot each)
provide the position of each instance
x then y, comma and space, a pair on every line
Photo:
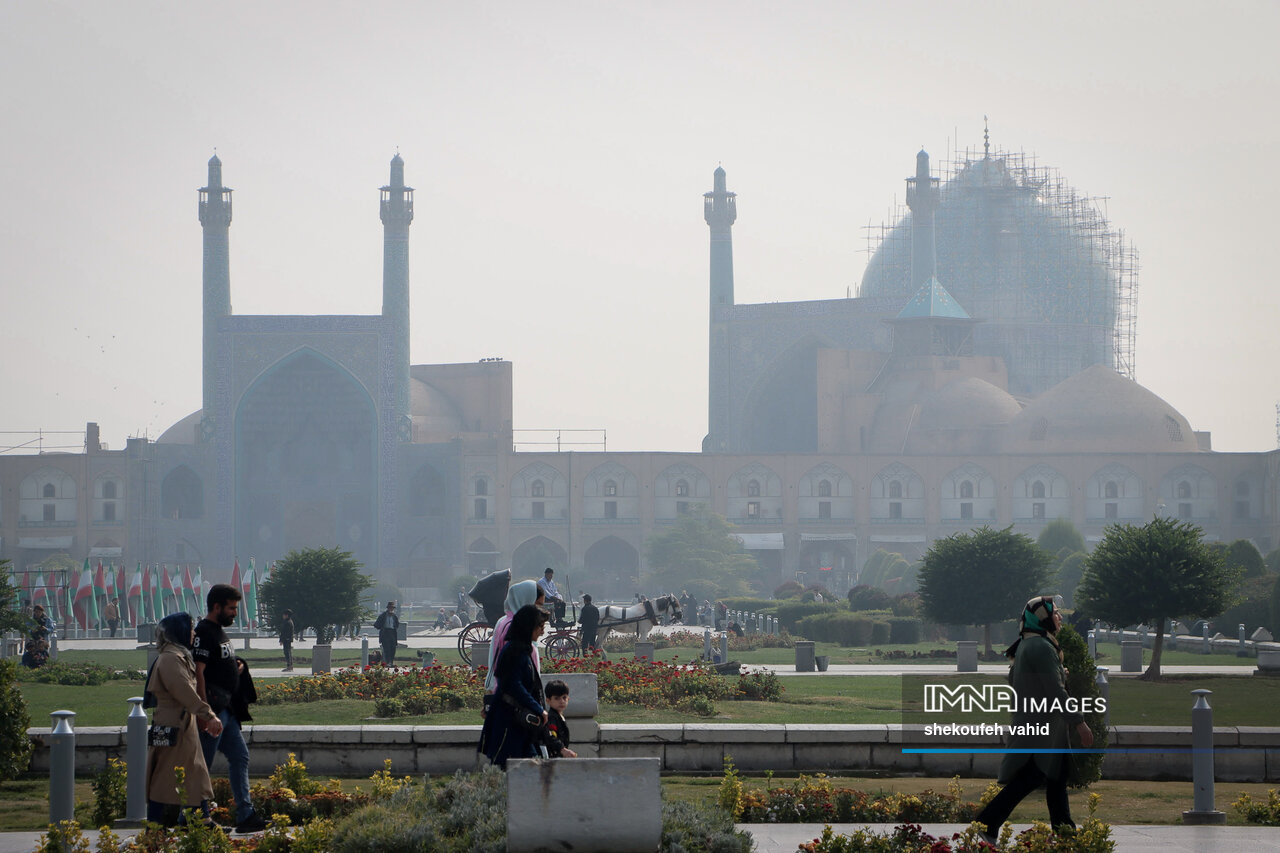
986, 139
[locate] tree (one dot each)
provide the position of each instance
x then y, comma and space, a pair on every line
15, 745
882, 567
1070, 571
1272, 561
1244, 554
863, 597
11, 618
981, 577
1059, 534
700, 555
321, 586
1146, 574
1085, 768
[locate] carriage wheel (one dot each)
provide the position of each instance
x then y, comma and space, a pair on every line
476, 632
561, 646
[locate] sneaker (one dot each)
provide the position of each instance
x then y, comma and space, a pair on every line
253, 823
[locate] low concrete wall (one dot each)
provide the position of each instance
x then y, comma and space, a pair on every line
1243, 753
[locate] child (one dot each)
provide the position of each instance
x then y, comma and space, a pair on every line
557, 739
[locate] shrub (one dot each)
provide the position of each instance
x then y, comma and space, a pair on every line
1085, 768
1266, 814
908, 604
879, 633
688, 828
790, 613
847, 629
15, 746
110, 793
63, 837
789, 589
751, 605
904, 631
698, 705
761, 686
863, 597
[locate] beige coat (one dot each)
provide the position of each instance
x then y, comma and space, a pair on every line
173, 681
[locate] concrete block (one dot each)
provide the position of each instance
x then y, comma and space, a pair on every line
584, 693
967, 656
805, 661
583, 730
891, 757
558, 805
630, 750
759, 756
1239, 765
825, 757
1273, 765
101, 737
808, 733
447, 760
634, 733
946, 764
446, 735
741, 733
700, 756
1257, 736
386, 734
1151, 735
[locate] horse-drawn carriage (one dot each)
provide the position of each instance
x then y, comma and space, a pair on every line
490, 592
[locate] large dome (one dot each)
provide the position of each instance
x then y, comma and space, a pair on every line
1099, 411
965, 416
1022, 253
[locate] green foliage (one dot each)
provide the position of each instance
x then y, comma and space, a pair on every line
1070, 573
81, 674
689, 828
1059, 535
886, 570
698, 554
731, 789
1275, 609
908, 604
982, 576
847, 629
11, 618
1252, 606
1242, 554
63, 837
1272, 561
1264, 813
790, 612
321, 585
1147, 574
814, 799
760, 686
110, 793
15, 746
789, 589
1084, 769
749, 604
905, 630
294, 776
864, 597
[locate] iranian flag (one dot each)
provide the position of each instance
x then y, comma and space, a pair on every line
235, 582
197, 583
99, 591
122, 591
40, 595
168, 594
135, 598
84, 605
157, 595
189, 593
251, 596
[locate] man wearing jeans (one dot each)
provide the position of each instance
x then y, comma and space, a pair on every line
218, 681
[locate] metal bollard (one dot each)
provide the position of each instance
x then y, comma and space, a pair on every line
724, 647
1104, 689
1093, 644
1204, 633
1243, 651
135, 811
706, 644
1202, 811
62, 767
53, 645
364, 650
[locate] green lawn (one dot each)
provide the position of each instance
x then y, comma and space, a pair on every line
1109, 655
1237, 701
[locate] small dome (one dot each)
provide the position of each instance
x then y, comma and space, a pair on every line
965, 416
967, 403
184, 431
1099, 411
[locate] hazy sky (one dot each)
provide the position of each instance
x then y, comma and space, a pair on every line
560, 151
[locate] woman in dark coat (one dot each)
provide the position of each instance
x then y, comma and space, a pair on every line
518, 691
1037, 673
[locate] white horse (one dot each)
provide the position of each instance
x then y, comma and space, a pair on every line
643, 616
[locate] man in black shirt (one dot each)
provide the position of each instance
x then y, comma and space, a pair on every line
590, 622
218, 681
388, 625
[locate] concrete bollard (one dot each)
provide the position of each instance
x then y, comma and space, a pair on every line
364, 650
1093, 644
1130, 656
706, 644
1202, 811
1207, 647
805, 658
724, 647
1104, 690
135, 811
480, 654
966, 656
62, 767
1243, 651
644, 649
53, 645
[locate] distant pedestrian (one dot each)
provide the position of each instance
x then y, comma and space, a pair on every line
589, 619
388, 625
287, 632
112, 614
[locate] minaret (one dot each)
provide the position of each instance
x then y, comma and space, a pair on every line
215, 219
397, 213
720, 210
922, 198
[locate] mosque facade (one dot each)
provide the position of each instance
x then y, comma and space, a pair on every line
983, 375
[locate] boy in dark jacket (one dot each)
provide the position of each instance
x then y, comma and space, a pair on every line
557, 738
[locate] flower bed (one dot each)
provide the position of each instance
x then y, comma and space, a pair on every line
410, 691
655, 684
1266, 813
813, 799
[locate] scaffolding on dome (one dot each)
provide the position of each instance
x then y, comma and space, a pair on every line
1090, 230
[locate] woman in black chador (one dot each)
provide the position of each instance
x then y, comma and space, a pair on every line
516, 719
1037, 673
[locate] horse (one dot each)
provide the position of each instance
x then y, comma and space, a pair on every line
644, 615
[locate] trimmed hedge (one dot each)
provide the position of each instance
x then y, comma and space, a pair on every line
790, 613
844, 628
904, 630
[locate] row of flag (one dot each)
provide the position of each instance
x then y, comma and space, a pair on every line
148, 595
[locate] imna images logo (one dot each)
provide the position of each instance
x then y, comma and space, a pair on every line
968, 698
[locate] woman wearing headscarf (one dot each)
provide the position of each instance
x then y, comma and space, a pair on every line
1037, 674
518, 692
179, 714
519, 595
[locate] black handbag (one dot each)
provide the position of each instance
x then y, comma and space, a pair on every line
525, 718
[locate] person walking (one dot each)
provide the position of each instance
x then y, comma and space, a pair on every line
589, 619
515, 724
112, 614
222, 681
520, 595
1037, 674
179, 717
388, 625
287, 632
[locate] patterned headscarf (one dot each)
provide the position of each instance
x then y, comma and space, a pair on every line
1037, 619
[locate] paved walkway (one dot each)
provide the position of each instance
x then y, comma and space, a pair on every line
787, 837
